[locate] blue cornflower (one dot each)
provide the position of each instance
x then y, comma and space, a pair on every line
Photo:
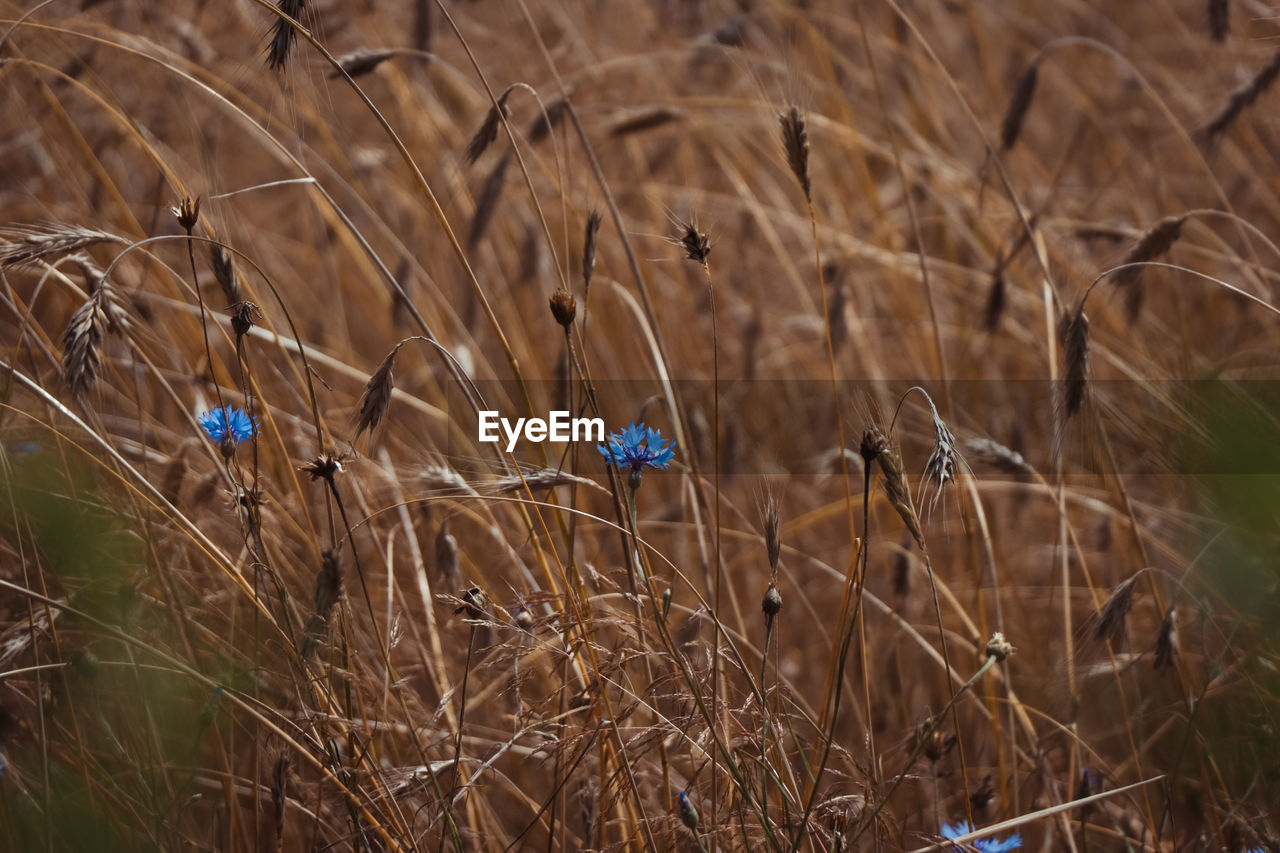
636, 447
227, 427
985, 845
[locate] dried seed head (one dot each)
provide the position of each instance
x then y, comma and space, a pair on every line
563, 307
1167, 640
940, 468
695, 243
361, 62
1219, 20
224, 271
795, 140
589, 249
873, 442
997, 455
899, 492
984, 794
325, 467
771, 603
28, 244
82, 345
447, 554
1242, 98
1074, 330
1153, 243
377, 394
283, 34
998, 647
548, 121
1110, 624
243, 317
1019, 104
474, 603
187, 212
645, 119
937, 745
488, 132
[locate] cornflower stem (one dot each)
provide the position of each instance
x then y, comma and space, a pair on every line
739, 780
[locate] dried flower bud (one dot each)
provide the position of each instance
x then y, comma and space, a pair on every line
524, 619
187, 213
324, 467
771, 604
998, 647
243, 317
564, 307
473, 603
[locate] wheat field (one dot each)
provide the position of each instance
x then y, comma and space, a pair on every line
952, 328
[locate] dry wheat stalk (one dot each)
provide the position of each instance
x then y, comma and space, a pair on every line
795, 141
1074, 331
82, 341
488, 132
646, 119
28, 244
1152, 244
1242, 98
377, 394
363, 61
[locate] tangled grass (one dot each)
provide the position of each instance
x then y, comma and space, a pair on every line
839, 253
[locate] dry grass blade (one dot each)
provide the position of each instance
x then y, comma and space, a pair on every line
1074, 331
28, 244
1152, 244
795, 141
377, 394
488, 132
1219, 20
1019, 104
1243, 98
363, 61
283, 34
646, 119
